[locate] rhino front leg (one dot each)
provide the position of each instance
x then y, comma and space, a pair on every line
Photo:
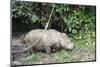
47, 49
31, 50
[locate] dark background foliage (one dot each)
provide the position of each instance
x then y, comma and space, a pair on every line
78, 21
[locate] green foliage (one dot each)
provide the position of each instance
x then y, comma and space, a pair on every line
34, 18
20, 8
79, 21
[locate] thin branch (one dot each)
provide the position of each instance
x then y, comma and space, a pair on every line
47, 24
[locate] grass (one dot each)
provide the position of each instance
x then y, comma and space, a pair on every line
81, 52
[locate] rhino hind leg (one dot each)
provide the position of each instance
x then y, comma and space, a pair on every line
47, 49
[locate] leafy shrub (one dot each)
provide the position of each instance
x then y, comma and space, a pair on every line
79, 21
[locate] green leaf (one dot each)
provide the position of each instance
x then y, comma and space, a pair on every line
70, 29
74, 31
34, 18
65, 19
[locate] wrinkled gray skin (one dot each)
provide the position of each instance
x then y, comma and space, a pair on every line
47, 39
